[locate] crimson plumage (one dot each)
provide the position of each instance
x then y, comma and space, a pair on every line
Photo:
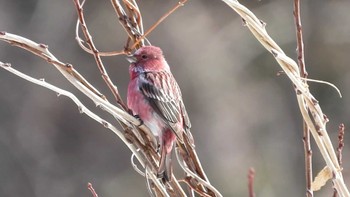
154, 95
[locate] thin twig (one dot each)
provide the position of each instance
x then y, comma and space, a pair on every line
88, 37
92, 190
189, 182
134, 14
179, 4
212, 191
132, 25
251, 176
300, 42
308, 159
132, 29
133, 164
139, 19
86, 49
341, 132
324, 82
303, 74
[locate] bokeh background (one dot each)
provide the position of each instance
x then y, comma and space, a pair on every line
243, 115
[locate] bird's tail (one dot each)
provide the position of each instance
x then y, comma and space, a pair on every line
165, 168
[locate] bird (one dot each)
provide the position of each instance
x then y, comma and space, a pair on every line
154, 96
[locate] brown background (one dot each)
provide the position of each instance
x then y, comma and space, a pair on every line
243, 115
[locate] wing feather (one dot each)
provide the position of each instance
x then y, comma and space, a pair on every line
163, 93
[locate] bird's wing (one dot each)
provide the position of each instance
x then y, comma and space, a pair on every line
186, 119
186, 124
163, 93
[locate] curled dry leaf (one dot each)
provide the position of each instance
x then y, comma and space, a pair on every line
321, 179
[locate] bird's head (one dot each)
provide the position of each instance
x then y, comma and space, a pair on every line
148, 58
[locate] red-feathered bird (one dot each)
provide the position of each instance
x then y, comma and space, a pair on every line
154, 96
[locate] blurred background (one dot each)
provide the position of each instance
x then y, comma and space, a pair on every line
242, 114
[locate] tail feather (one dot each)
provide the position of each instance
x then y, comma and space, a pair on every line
165, 168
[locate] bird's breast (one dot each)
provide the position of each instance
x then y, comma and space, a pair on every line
140, 106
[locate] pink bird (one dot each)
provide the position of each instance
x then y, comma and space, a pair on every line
155, 97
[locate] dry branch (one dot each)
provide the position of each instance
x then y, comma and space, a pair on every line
303, 74
341, 132
113, 88
85, 87
308, 105
92, 190
251, 176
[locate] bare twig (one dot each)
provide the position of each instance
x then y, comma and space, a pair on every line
251, 176
193, 173
59, 91
188, 181
92, 190
88, 37
134, 15
308, 159
179, 4
127, 20
303, 74
300, 42
86, 49
341, 132
139, 19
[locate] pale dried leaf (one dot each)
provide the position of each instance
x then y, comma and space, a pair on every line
321, 179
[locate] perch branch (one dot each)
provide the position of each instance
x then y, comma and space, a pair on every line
80, 83
137, 137
146, 154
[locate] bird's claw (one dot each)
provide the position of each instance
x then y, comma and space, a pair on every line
138, 118
158, 148
163, 177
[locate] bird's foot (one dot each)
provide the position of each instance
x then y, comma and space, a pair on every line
139, 118
158, 148
163, 176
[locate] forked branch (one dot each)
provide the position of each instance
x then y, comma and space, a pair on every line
113, 88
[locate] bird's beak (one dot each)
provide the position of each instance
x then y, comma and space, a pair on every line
131, 58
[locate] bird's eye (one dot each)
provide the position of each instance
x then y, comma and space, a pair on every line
144, 57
